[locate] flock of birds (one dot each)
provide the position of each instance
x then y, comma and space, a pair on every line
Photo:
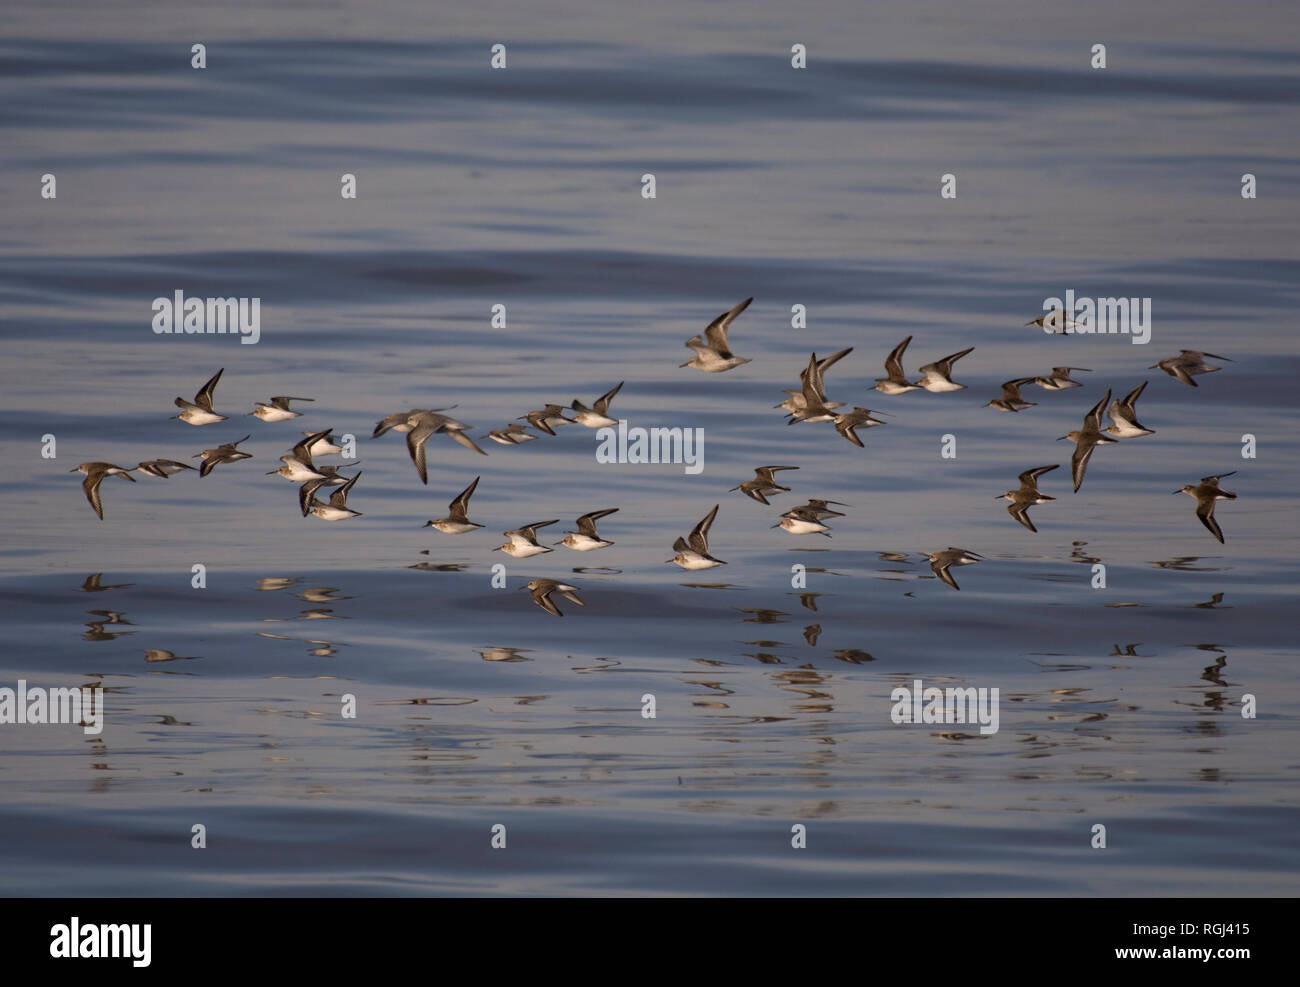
712, 354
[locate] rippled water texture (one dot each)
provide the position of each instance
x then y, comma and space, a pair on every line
1120, 705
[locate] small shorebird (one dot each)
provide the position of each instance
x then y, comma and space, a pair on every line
799, 521
278, 409
224, 453
813, 406
95, 473
457, 521
523, 540
847, 422
585, 539
937, 376
819, 510
162, 467
712, 352
941, 561
1207, 494
1087, 438
1059, 380
298, 465
199, 411
1027, 495
324, 444
400, 421
547, 419
595, 416
896, 381
337, 509
1187, 364
693, 552
796, 401
1055, 321
1124, 415
512, 435
426, 423
329, 477
1011, 399
542, 589
764, 484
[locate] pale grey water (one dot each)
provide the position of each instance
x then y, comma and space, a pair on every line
521, 187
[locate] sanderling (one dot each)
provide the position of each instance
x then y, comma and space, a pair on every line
329, 477
712, 353
541, 589
1059, 379
1086, 439
426, 423
224, 453
818, 509
523, 540
199, 411
1027, 495
941, 561
95, 473
798, 521
595, 416
937, 377
796, 401
1124, 415
1011, 399
763, 485
585, 539
337, 509
400, 421
693, 552
847, 423
896, 382
512, 435
547, 419
457, 521
278, 409
162, 467
1207, 494
1056, 320
814, 407
1187, 364
298, 465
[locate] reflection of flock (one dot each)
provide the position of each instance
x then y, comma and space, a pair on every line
711, 354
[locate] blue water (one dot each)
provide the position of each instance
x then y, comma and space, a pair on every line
1120, 706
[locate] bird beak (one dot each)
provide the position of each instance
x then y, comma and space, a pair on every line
1063, 437
1177, 491
271, 473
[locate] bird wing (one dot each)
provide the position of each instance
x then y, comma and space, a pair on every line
716, 333
1020, 511
91, 485
587, 523
894, 362
699, 541
339, 498
459, 507
602, 402
542, 597
204, 398
1079, 461
940, 568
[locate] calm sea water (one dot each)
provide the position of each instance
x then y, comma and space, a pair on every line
1120, 706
